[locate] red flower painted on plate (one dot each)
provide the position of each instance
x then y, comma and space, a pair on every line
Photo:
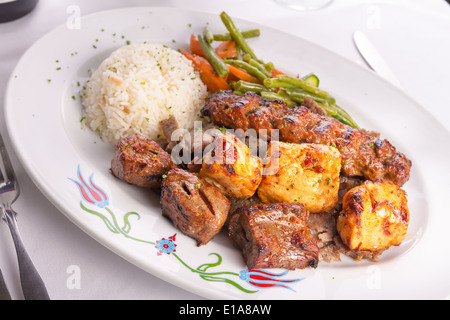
265, 279
90, 191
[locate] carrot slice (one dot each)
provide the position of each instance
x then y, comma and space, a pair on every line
226, 49
275, 72
209, 77
195, 47
243, 75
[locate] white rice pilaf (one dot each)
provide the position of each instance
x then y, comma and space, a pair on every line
139, 85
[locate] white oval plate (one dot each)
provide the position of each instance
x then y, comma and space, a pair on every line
43, 113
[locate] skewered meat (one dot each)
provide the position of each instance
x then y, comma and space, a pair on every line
305, 173
362, 154
140, 161
274, 236
229, 166
195, 207
374, 216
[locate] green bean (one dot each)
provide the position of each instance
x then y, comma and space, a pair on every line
219, 66
298, 96
289, 82
275, 96
282, 92
260, 67
252, 33
277, 83
247, 67
245, 86
332, 110
239, 55
302, 94
208, 34
344, 117
269, 66
236, 34
247, 58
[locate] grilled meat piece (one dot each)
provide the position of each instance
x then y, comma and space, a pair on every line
229, 166
274, 236
374, 216
362, 154
195, 207
305, 173
140, 161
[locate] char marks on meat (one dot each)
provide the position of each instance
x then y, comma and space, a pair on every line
274, 236
195, 207
362, 154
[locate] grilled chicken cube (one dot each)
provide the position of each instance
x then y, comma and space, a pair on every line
374, 216
228, 165
195, 207
301, 173
141, 161
274, 236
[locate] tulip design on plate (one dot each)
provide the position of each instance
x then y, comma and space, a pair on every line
264, 279
91, 192
95, 196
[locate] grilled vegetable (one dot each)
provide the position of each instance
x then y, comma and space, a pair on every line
247, 67
236, 34
209, 77
243, 75
312, 80
219, 66
227, 49
234, 60
291, 82
252, 33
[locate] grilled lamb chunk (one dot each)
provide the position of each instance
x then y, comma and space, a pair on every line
141, 161
274, 236
362, 154
195, 207
168, 127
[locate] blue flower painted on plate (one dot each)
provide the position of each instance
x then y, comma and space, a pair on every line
167, 246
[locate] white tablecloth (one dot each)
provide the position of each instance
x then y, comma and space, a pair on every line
412, 35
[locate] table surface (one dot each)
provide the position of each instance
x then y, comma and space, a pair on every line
412, 35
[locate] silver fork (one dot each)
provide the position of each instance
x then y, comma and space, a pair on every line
4, 293
32, 285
